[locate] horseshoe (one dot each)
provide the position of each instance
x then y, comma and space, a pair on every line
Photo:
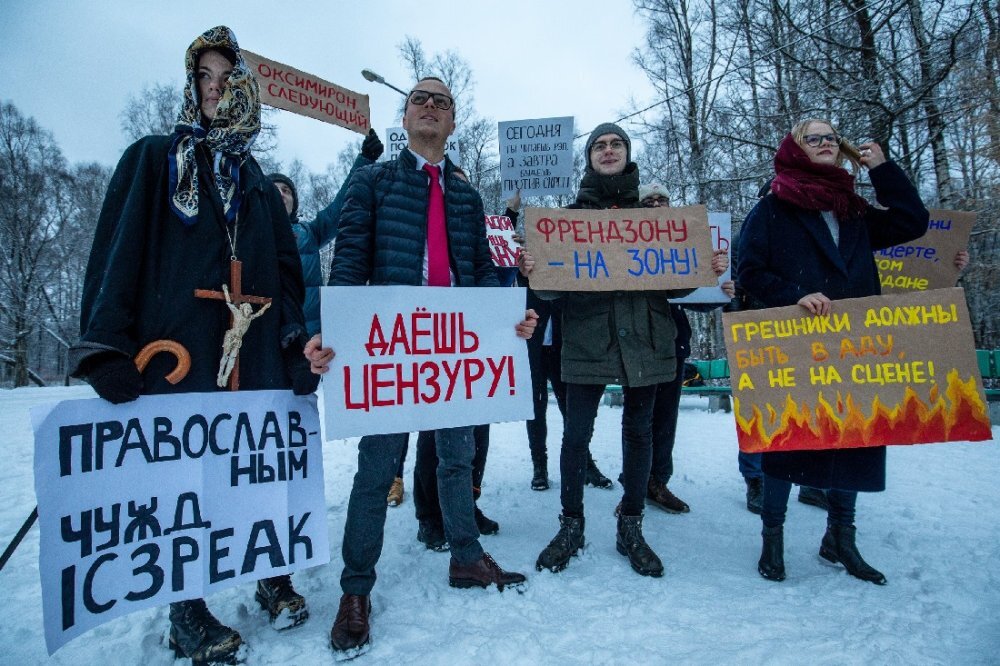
175, 348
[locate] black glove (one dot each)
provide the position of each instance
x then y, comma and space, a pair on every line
372, 147
115, 378
304, 381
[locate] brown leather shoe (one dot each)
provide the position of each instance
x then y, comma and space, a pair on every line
482, 573
659, 495
350, 630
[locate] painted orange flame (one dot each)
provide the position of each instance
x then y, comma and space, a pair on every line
960, 415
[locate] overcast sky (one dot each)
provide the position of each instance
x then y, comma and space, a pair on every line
72, 65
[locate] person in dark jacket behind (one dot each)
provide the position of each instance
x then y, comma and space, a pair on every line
313, 236
624, 337
668, 394
178, 210
411, 222
810, 242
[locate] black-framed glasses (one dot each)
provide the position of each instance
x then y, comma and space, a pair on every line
655, 201
441, 101
601, 146
813, 140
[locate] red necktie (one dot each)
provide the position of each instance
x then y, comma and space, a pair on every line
438, 271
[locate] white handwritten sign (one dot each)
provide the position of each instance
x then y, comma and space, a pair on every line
397, 139
536, 156
421, 358
172, 497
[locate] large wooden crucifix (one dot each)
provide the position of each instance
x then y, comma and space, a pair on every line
237, 298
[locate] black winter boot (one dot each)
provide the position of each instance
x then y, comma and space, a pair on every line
839, 546
285, 607
632, 545
540, 477
755, 495
814, 497
565, 545
772, 555
594, 476
197, 635
486, 525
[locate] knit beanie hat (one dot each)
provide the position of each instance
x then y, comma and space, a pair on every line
650, 190
282, 178
608, 128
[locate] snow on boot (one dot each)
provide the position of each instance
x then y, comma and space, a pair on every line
839, 546
198, 636
594, 476
540, 477
755, 495
772, 555
632, 545
285, 607
565, 545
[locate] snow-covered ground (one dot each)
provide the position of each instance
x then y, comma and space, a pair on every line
935, 533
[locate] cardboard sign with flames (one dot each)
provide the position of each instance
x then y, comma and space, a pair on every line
897, 369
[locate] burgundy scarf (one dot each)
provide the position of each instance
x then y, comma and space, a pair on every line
806, 184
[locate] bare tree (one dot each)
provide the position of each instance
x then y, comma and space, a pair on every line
153, 110
34, 187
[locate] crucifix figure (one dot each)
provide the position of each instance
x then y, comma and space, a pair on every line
239, 321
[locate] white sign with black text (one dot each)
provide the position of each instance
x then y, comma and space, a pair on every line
536, 156
396, 139
172, 497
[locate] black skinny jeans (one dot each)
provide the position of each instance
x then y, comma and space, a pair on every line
546, 367
582, 401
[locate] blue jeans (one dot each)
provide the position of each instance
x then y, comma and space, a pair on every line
776, 491
582, 401
378, 458
426, 503
750, 465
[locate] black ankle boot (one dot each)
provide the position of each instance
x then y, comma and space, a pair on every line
839, 546
594, 477
197, 635
632, 545
566, 543
540, 477
772, 554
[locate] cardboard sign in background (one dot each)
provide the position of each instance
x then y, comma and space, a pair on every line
287, 88
929, 261
422, 358
536, 156
721, 227
881, 370
172, 497
619, 249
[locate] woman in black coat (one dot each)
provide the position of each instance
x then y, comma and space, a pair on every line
810, 242
180, 211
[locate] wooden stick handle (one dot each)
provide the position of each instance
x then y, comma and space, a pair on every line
175, 348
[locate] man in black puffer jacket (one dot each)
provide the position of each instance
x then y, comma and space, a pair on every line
411, 222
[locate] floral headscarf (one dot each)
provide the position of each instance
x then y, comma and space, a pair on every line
229, 137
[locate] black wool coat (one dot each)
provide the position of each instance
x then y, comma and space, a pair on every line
787, 252
383, 228
145, 265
